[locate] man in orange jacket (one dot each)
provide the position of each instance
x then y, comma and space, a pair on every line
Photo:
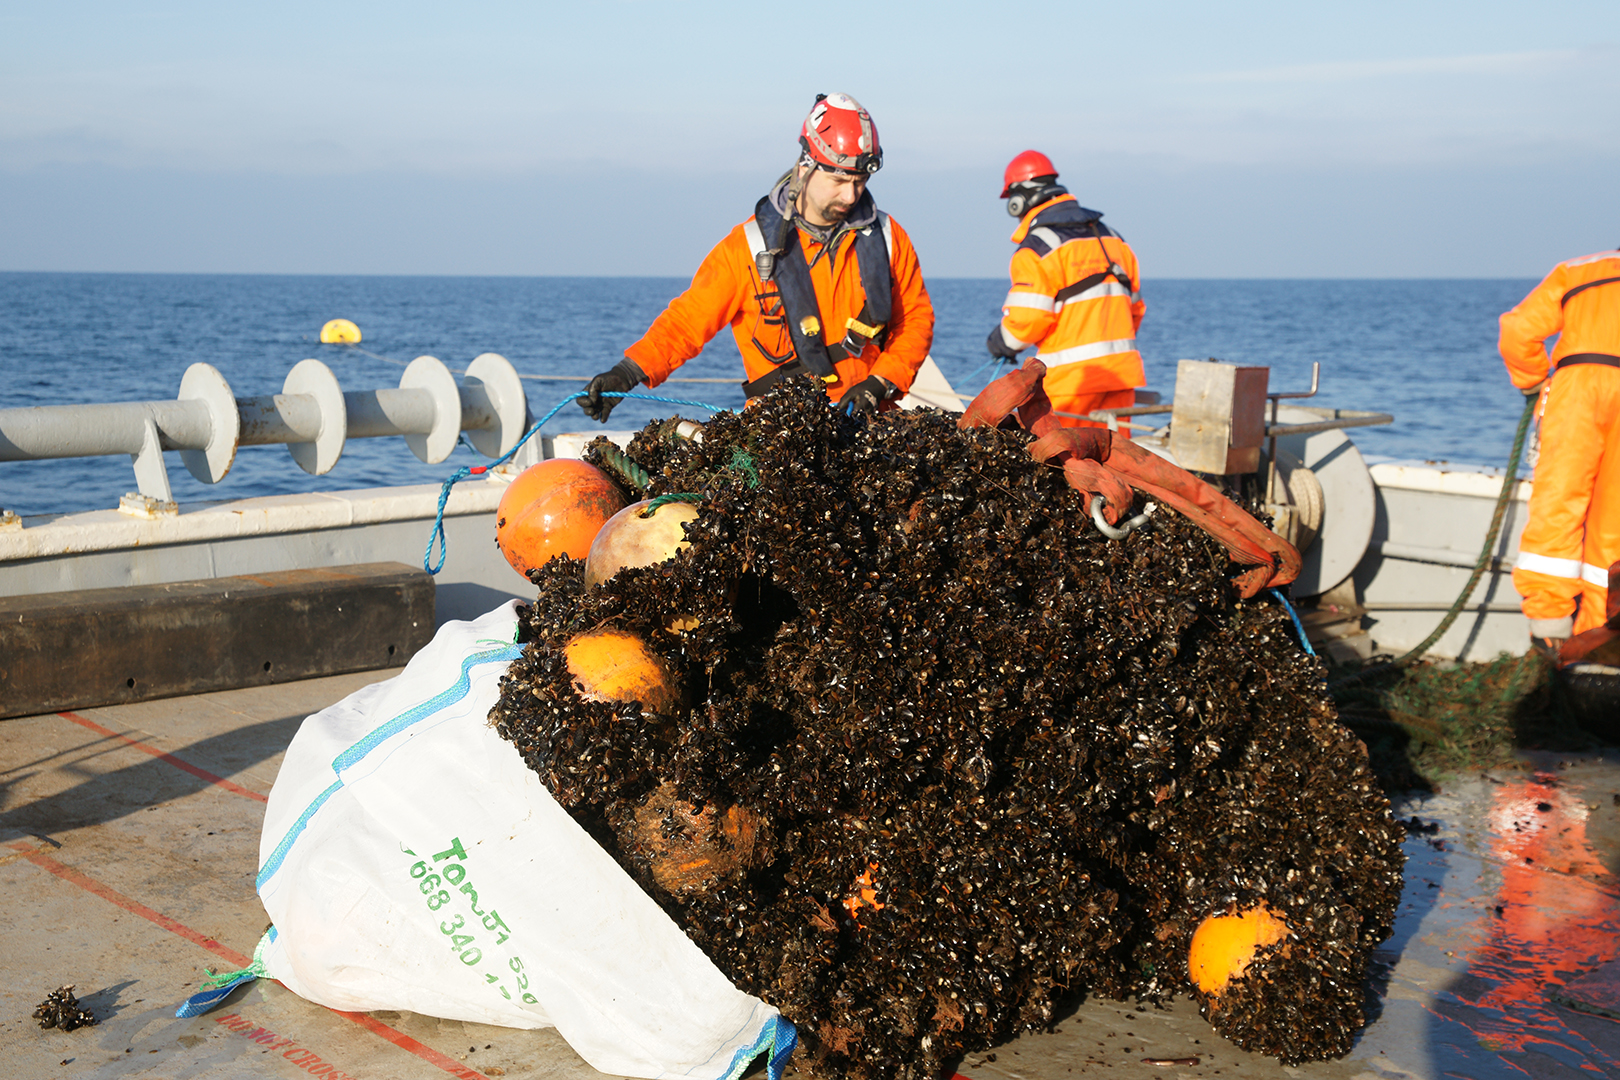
1074, 295
1573, 532
818, 283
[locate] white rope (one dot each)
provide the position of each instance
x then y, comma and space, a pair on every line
533, 378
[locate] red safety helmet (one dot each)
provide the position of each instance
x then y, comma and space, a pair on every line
839, 134
1026, 166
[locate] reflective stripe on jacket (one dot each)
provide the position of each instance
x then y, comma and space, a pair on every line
1066, 299
727, 290
1580, 302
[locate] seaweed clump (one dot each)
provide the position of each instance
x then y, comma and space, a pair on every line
949, 754
1434, 719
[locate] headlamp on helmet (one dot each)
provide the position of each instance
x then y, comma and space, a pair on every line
839, 136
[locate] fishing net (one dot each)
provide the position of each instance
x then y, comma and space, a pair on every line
1437, 718
941, 754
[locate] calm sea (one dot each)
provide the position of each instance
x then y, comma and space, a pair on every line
1424, 351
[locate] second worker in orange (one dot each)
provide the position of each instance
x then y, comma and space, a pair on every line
819, 283
1075, 295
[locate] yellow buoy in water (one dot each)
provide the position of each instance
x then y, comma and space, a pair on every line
340, 332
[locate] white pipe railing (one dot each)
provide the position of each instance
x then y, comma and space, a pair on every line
312, 416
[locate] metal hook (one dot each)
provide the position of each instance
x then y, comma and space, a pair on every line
1124, 529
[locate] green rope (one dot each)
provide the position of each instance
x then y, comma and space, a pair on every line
742, 461
682, 496
1484, 560
216, 979
628, 470
619, 462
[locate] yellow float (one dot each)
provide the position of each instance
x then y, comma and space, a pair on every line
340, 332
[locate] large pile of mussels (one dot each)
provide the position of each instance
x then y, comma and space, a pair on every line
950, 754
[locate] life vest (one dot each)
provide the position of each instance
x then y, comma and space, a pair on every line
787, 294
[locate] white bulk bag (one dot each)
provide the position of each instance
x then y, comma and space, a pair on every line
411, 860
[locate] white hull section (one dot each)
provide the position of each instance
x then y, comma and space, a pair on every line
1429, 522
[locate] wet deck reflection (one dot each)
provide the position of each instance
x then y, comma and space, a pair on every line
1524, 902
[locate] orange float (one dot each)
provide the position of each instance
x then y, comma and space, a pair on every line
711, 843
611, 665
554, 508
1224, 946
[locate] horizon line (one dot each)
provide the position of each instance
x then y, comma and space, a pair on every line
684, 277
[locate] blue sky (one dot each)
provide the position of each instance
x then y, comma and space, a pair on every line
1249, 140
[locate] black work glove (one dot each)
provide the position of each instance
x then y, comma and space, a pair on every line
862, 399
999, 348
623, 377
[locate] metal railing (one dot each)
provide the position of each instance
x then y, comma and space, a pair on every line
313, 416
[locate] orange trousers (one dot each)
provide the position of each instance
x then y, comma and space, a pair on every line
1573, 532
1082, 402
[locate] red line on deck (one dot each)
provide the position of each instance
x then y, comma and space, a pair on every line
113, 896
201, 774
405, 1042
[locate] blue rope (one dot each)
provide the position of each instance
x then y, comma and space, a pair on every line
974, 374
437, 535
1299, 627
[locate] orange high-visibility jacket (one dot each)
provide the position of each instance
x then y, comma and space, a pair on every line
1572, 534
1580, 302
1065, 299
727, 289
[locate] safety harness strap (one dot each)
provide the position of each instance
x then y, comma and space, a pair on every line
779, 258
1058, 226
877, 278
1588, 358
1089, 282
791, 274
755, 387
1577, 290
1115, 271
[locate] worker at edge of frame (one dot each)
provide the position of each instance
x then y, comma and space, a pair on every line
1075, 295
819, 283
1572, 535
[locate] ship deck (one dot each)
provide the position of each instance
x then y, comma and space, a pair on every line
128, 849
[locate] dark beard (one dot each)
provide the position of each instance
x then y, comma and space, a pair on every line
834, 215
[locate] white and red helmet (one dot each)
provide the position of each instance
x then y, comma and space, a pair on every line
839, 134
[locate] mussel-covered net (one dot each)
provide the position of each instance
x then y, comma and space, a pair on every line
946, 754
